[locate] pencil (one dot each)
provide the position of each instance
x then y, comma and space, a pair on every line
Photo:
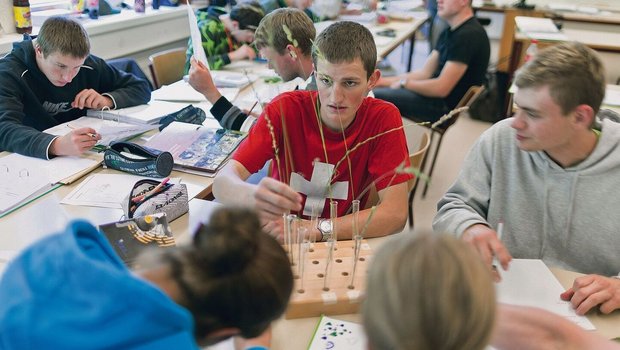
251, 109
88, 133
500, 229
140, 198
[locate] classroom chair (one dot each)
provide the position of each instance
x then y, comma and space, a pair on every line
418, 142
470, 96
416, 158
167, 66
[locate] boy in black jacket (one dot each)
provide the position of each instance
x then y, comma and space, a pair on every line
51, 81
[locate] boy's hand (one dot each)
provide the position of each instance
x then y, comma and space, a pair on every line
485, 241
74, 143
245, 51
590, 291
89, 98
201, 80
274, 198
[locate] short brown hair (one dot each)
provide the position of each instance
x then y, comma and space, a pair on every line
233, 275
428, 292
344, 42
574, 73
64, 35
270, 32
247, 14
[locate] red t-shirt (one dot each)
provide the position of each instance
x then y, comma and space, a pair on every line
376, 159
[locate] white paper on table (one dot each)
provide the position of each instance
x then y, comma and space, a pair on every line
181, 91
535, 25
102, 190
110, 190
53, 170
337, 334
109, 130
547, 36
528, 282
612, 97
199, 52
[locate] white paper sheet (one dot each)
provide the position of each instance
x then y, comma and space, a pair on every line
181, 91
535, 25
528, 282
199, 52
336, 334
109, 130
612, 97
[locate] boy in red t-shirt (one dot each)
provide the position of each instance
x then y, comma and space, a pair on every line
308, 134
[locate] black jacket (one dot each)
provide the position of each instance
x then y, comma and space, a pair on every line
30, 103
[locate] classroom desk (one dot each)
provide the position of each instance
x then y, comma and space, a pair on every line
297, 333
46, 215
404, 30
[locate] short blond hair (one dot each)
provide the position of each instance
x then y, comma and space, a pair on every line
270, 32
428, 292
574, 73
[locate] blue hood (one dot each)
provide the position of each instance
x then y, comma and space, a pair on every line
71, 291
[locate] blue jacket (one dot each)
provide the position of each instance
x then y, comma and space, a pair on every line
71, 291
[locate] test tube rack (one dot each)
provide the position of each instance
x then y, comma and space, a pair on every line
340, 298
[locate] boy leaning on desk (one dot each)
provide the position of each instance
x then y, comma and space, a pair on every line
290, 59
51, 80
551, 176
326, 144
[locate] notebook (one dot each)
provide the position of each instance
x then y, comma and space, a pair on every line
24, 179
131, 237
150, 113
109, 130
196, 148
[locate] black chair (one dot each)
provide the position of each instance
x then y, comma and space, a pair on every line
129, 65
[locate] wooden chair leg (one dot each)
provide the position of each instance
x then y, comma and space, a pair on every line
430, 172
411, 197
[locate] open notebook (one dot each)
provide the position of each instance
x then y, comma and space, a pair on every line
24, 179
109, 130
196, 149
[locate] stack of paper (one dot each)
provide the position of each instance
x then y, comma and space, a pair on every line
539, 28
530, 283
181, 91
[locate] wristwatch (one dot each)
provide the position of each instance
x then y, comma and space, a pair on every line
326, 228
403, 83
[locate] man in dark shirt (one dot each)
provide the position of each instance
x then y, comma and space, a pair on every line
458, 62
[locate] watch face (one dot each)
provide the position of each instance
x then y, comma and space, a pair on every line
325, 226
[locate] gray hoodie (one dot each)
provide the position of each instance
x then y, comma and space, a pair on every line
568, 217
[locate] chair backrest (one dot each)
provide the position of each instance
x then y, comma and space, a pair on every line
418, 142
470, 96
416, 158
167, 66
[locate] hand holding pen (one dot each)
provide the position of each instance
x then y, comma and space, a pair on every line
74, 143
488, 244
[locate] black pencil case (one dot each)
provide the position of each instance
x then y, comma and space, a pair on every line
147, 161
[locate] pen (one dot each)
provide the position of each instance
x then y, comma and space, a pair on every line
251, 109
88, 133
500, 229
156, 189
